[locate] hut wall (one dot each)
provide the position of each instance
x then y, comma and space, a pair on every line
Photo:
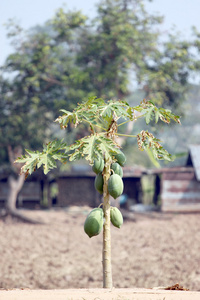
133, 188
3, 193
180, 191
77, 190
80, 190
30, 195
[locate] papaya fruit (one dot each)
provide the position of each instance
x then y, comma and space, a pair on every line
120, 158
94, 222
98, 165
116, 217
115, 186
98, 183
117, 169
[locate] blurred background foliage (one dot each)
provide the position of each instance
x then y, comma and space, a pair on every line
119, 54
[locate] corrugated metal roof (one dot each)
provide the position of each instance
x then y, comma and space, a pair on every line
194, 153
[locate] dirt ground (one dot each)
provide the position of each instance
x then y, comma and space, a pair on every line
98, 294
153, 250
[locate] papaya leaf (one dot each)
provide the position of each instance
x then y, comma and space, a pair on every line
55, 146
76, 155
117, 108
90, 148
68, 117
150, 112
108, 147
157, 116
48, 157
166, 115
93, 100
30, 161
146, 141
73, 147
48, 162
152, 158
85, 147
130, 112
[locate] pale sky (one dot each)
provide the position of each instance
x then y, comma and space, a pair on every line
182, 13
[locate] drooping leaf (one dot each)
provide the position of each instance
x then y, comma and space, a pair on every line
146, 141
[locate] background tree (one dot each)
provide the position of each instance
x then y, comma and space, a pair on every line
31, 96
126, 49
124, 33
165, 75
71, 57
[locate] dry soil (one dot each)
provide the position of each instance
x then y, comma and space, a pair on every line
154, 250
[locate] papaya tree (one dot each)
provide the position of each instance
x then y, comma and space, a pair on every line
100, 148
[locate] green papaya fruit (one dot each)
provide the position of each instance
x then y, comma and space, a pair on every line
115, 186
98, 183
120, 158
117, 169
98, 165
94, 222
116, 217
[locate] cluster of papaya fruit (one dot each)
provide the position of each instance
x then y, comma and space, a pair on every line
94, 221
115, 183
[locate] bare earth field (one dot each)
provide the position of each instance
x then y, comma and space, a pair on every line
154, 250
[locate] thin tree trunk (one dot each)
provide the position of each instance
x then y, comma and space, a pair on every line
15, 185
107, 269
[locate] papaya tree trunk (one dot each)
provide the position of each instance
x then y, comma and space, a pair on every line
107, 268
